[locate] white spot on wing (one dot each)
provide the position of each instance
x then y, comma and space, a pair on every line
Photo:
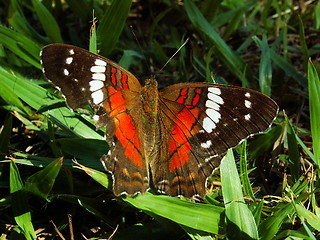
71, 51
214, 90
247, 117
208, 125
98, 69
212, 104
97, 97
65, 72
213, 114
215, 98
247, 103
100, 62
99, 76
95, 85
248, 95
69, 60
207, 144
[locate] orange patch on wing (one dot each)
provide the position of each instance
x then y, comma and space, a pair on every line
116, 103
128, 137
179, 145
126, 131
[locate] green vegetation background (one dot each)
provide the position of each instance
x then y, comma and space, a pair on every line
268, 190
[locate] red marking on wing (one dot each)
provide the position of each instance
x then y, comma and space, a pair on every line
124, 81
183, 95
179, 146
196, 98
113, 76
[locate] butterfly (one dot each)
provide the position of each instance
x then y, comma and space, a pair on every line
171, 139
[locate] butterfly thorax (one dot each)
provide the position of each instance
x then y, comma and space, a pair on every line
150, 101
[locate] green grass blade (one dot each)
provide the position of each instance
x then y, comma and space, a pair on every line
5, 134
237, 66
111, 25
264, 142
314, 105
42, 181
98, 176
49, 24
203, 217
20, 205
307, 215
294, 156
20, 45
89, 149
270, 226
80, 8
38, 97
244, 173
240, 221
317, 16
265, 67
288, 68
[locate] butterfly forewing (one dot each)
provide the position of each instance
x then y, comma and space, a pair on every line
89, 79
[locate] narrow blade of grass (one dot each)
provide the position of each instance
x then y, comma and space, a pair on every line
244, 174
265, 67
236, 65
49, 24
5, 134
314, 96
294, 157
111, 25
20, 205
20, 45
240, 221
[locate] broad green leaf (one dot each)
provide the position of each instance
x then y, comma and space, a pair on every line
240, 221
98, 176
42, 181
202, 217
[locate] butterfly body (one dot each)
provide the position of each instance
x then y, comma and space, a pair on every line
173, 137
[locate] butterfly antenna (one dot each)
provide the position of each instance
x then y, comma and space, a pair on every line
185, 42
138, 42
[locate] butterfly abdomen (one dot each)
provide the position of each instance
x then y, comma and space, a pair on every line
150, 102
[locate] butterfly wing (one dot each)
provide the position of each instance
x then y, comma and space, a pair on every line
198, 123
89, 79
